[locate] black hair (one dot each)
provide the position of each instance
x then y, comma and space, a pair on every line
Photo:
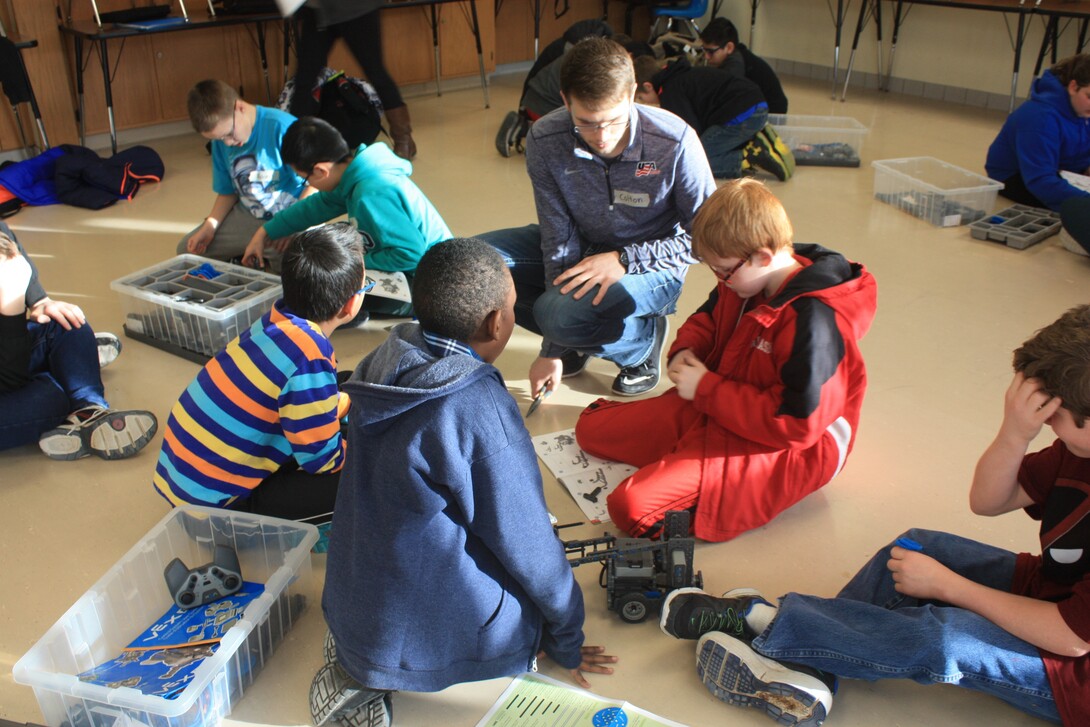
322, 268
310, 141
457, 284
719, 32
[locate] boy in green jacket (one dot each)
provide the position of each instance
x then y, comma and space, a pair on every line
369, 184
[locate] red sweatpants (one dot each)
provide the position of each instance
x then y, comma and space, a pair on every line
684, 460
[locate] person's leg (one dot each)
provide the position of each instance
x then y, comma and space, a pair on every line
364, 37
71, 358
724, 144
621, 328
521, 250
30, 410
929, 644
291, 493
314, 45
636, 432
981, 563
233, 235
1015, 189
1075, 216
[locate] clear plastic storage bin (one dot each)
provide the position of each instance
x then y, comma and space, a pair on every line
194, 317
821, 141
133, 594
935, 191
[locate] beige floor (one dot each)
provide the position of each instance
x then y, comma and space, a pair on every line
951, 310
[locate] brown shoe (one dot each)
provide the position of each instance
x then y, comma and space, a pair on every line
401, 131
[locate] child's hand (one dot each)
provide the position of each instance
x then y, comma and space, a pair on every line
594, 657
254, 255
15, 276
1026, 407
686, 371
201, 238
68, 315
918, 575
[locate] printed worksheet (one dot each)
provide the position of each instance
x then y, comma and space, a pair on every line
587, 478
1080, 181
389, 285
533, 700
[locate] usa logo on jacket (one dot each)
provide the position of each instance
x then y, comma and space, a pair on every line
646, 169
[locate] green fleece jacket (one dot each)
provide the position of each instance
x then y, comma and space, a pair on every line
397, 221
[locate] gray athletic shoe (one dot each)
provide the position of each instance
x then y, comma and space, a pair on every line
736, 674
644, 376
109, 346
104, 432
336, 698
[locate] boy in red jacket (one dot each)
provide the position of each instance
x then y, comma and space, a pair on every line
768, 376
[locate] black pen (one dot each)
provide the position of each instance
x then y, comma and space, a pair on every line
541, 394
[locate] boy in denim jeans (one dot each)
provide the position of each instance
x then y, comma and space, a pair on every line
934, 607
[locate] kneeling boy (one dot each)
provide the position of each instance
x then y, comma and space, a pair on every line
768, 376
442, 499
259, 428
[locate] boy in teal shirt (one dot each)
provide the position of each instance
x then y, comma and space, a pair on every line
369, 184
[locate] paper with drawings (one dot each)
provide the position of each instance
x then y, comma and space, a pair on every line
389, 285
587, 478
1079, 181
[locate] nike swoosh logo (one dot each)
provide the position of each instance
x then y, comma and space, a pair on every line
631, 380
570, 171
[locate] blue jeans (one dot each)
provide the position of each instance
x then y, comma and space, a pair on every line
64, 377
724, 144
870, 631
620, 329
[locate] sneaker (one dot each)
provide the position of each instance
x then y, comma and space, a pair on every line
109, 346
329, 648
768, 152
95, 430
336, 697
1070, 244
689, 613
738, 675
505, 138
574, 363
641, 378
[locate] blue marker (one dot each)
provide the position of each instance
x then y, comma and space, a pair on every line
908, 544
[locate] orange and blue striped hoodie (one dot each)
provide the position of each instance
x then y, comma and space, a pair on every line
268, 397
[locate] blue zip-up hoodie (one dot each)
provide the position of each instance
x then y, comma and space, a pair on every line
443, 567
1042, 137
398, 223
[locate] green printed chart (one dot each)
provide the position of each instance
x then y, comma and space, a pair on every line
533, 700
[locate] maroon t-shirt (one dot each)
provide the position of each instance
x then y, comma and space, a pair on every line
1058, 482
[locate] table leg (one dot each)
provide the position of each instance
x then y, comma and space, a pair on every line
260, 28
435, 49
897, 18
104, 57
1019, 40
480, 52
537, 27
79, 90
864, 5
753, 19
836, 46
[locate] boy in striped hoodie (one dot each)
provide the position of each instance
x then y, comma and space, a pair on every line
259, 428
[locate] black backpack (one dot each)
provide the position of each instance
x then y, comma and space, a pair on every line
347, 107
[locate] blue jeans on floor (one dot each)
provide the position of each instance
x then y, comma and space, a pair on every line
620, 329
870, 631
64, 377
724, 144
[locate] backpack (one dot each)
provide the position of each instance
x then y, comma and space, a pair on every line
349, 109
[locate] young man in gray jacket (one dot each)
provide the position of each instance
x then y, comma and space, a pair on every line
616, 187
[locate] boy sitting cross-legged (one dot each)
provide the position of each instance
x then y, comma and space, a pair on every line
259, 428
442, 504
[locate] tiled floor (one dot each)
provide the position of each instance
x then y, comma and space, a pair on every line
951, 309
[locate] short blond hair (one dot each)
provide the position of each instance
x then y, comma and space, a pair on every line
739, 219
210, 102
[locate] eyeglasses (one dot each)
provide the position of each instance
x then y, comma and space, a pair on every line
726, 274
584, 129
366, 288
709, 49
230, 135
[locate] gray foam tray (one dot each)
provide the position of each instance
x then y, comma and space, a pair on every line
1018, 227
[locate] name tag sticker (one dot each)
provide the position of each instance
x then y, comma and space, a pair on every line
263, 176
631, 199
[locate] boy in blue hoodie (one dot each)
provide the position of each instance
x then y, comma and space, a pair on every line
458, 515
369, 184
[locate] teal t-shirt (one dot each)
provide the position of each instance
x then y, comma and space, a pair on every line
255, 171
